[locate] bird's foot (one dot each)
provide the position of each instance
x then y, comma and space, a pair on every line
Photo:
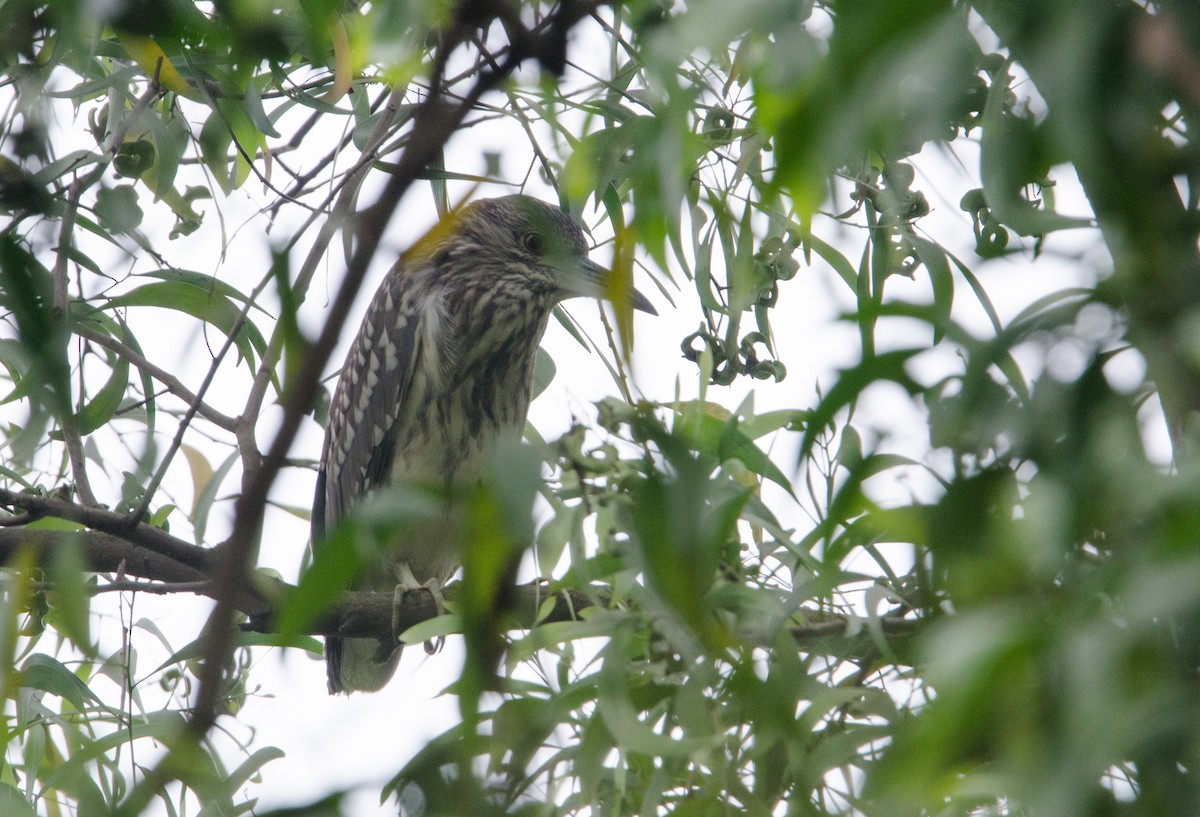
409, 582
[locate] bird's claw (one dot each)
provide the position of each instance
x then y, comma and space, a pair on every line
435, 589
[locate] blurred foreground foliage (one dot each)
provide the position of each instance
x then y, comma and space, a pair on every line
785, 611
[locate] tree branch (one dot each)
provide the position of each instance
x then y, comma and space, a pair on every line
370, 614
68, 423
148, 537
102, 552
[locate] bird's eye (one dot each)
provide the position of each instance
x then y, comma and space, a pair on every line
534, 243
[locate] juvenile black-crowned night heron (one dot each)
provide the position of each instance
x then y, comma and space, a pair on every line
441, 370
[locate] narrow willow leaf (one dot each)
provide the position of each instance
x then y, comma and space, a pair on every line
43, 672
201, 303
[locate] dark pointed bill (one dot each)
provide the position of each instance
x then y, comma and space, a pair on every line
596, 282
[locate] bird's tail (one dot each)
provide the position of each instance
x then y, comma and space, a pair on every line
359, 664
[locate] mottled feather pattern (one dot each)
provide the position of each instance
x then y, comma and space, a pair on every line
441, 369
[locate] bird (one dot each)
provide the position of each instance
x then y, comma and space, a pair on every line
441, 370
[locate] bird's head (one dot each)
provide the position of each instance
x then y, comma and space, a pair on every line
538, 242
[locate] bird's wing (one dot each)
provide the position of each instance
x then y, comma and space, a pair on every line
359, 439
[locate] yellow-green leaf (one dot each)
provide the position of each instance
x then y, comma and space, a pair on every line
156, 64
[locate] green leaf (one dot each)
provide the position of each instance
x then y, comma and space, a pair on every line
246, 140
683, 524
595, 163
70, 598
980, 293
27, 292
942, 281
335, 564
204, 281
356, 541
207, 494
620, 715
13, 803
55, 523
908, 523
759, 425
118, 208
215, 140
733, 444
553, 536
595, 624
328, 806
287, 329
104, 404
250, 767
195, 650
42, 672
543, 371
499, 517
171, 140
1006, 165
160, 726
201, 303
72, 162
850, 450
888, 366
151, 403
432, 629
252, 100
722, 438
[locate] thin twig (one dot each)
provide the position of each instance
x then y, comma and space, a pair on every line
339, 216
199, 588
622, 377
300, 180
70, 430
172, 383
143, 506
149, 96
518, 111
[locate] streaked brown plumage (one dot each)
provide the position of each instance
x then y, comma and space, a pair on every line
441, 369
